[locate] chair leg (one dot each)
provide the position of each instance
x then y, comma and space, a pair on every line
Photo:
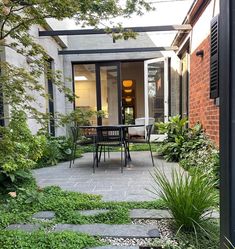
72, 155
128, 151
97, 156
150, 149
74, 152
108, 153
94, 158
104, 153
100, 153
122, 159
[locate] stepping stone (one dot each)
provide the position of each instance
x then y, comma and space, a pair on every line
93, 212
115, 247
24, 227
150, 214
44, 215
118, 231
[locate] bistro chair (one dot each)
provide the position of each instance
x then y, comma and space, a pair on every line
142, 140
110, 136
80, 137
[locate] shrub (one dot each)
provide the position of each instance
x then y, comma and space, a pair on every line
19, 149
56, 149
187, 197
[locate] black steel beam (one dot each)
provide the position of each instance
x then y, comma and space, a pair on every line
117, 50
227, 121
183, 27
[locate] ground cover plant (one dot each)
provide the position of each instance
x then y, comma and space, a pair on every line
45, 240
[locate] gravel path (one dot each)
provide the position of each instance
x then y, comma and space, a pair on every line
163, 225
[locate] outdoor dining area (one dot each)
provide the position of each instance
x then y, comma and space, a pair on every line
103, 138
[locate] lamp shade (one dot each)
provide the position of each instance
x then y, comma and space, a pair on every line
128, 90
128, 99
127, 83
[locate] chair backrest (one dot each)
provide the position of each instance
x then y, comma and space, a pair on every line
141, 121
109, 134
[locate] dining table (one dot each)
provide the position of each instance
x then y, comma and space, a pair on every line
91, 131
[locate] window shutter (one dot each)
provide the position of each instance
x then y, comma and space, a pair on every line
214, 72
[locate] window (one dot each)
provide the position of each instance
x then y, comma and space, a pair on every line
50, 92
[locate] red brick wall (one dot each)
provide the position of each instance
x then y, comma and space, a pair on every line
201, 107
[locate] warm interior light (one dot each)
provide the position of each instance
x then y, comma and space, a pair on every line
80, 78
127, 83
128, 90
128, 99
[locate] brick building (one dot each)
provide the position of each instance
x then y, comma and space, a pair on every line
202, 104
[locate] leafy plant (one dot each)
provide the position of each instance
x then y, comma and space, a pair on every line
19, 149
177, 134
187, 197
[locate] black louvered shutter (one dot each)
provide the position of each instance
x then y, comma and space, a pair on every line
214, 73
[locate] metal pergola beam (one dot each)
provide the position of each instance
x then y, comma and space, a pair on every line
227, 121
117, 50
183, 27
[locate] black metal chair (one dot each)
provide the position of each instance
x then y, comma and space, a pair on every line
80, 137
109, 136
142, 140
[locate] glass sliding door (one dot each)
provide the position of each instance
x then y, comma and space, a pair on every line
108, 82
85, 88
156, 90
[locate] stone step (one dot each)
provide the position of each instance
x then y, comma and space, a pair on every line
117, 231
44, 215
24, 227
150, 214
93, 212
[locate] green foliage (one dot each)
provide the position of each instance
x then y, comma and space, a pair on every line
187, 197
190, 147
56, 149
45, 240
176, 131
19, 149
210, 240
19, 85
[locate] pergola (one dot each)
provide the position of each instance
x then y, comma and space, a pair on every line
227, 99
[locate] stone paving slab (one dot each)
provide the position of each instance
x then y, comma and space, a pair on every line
150, 214
44, 215
115, 247
107, 181
118, 231
93, 212
24, 227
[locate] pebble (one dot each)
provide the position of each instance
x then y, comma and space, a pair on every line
164, 226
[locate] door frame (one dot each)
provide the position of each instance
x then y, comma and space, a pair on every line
166, 87
98, 88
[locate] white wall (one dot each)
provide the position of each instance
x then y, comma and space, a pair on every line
51, 48
201, 30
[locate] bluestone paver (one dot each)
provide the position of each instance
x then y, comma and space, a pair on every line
24, 227
150, 214
107, 180
118, 231
93, 212
44, 215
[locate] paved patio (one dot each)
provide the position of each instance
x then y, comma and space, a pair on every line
107, 180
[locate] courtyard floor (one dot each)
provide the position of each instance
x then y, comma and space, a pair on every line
108, 181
